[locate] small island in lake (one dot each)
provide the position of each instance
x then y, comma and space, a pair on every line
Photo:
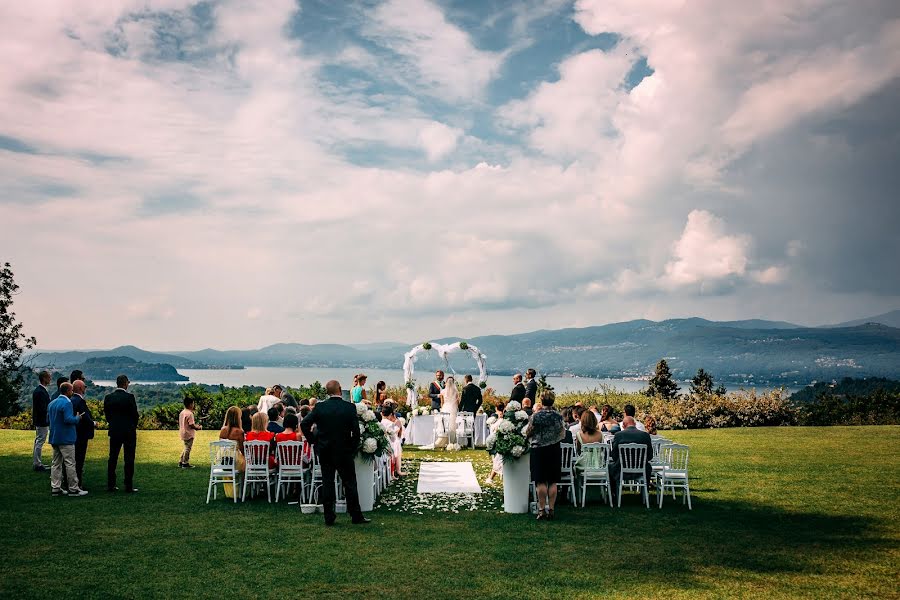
107, 368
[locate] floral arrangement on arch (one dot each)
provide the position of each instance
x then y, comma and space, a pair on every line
509, 439
374, 440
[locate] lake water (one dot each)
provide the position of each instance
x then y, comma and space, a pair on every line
297, 376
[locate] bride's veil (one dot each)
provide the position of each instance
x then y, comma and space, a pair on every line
450, 391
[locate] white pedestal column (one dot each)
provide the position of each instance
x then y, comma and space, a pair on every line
365, 483
516, 479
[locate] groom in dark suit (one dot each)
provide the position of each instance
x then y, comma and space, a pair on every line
471, 397
121, 412
334, 429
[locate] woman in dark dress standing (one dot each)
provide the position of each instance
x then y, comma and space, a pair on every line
546, 430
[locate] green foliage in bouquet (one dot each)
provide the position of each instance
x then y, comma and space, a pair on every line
373, 440
508, 440
463, 345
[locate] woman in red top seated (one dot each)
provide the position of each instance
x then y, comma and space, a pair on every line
291, 431
260, 421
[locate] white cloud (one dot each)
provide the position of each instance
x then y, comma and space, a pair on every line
438, 139
571, 117
705, 252
439, 56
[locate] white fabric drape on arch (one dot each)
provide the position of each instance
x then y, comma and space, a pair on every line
443, 350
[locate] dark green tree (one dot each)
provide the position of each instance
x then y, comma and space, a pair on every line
13, 343
702, 383
661, 384
543, 385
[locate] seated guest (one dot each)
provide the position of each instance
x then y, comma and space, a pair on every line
545, 431
261, 432
650, 425
608, 421
629, 435
629, 412
246, 415
499, 410
527, 406
291, 431
589, 431
231, 430
304, 402
272, 421
577, 412
289, 410
304, 410
389, 419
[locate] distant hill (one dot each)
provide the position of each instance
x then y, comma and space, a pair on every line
107, 368
891, 319
69, 358
753, 352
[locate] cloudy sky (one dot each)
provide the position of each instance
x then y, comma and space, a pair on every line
180, 174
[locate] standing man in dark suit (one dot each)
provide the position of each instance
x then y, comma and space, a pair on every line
59, 382
434, 390
84, 430
334, 429
518, 392
121, 412
629, 435
531, 385
40, 400
471, 397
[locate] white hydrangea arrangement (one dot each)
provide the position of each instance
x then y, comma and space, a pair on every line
509, 438
373, 439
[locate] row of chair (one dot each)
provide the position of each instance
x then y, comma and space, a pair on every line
465, 428
292, 469
669, 470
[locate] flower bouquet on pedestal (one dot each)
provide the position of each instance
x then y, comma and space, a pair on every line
509, 442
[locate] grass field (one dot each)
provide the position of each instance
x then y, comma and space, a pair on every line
784, 512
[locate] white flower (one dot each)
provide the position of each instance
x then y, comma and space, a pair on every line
491, 440
370, 446
402, 420
435, 412
492, 419
361, 408
361, 428
505, 426
521, 415
368, 415
524, 429
513, 406
517, 451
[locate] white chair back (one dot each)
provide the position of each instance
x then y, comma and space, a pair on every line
632, 458
568, 458
256, 454
594, 456
290, 456
222, 455
676, 457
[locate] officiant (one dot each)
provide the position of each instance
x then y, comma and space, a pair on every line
435, 389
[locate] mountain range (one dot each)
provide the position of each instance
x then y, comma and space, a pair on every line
750, 351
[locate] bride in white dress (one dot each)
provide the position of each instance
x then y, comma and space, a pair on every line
450, 407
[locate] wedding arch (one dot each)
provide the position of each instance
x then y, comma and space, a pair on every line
443, 351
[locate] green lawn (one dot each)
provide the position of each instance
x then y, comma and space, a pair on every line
783, 512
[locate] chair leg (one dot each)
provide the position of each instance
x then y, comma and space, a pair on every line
620, 493
209, 490
646, 493
687, 492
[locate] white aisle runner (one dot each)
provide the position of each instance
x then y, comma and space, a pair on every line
447, 478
